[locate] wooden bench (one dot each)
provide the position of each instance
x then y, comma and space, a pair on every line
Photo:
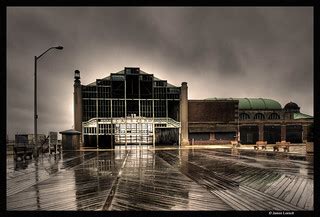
23, 151
55, 149
234, 144
283, 144
262, 144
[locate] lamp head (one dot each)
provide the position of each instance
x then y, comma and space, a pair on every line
59, 48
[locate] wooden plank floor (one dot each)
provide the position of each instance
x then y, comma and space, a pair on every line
149, 183
82, 187
41, 170
177, 179
279, 178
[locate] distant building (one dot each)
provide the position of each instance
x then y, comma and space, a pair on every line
256, 119
127, 107
134, 107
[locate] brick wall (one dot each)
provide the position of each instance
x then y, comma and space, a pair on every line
212, 110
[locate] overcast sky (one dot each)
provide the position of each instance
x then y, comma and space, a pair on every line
220, 51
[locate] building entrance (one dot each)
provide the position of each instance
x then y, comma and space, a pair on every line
133, 130
134, 133
294, 133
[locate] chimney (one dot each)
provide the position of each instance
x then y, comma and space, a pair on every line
77, 102
184, 114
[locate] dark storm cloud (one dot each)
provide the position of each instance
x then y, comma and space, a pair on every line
220, 52
207, 37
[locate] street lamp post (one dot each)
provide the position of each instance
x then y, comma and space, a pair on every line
35, 150
238, 134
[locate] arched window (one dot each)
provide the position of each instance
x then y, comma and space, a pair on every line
259, 116
274, 116
244, 116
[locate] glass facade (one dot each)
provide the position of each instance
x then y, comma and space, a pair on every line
133, 94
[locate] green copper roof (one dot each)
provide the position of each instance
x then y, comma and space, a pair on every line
301, 116
254, 103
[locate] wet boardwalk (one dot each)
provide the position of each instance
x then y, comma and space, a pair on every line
163, 179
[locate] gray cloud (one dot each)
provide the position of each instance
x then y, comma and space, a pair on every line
220, 52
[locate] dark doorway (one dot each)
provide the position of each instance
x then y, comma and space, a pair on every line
249, 134
90, 141
272, 134
106, 141
167, 136
225, 135
294, 133
199, 136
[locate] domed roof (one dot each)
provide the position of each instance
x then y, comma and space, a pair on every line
258, 103
291, 106
254, 103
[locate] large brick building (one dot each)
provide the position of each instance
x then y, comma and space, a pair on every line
134, 107
256, 119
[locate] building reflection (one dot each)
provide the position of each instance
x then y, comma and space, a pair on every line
95, 176
20, 165
151, 179
235, 152
148, 183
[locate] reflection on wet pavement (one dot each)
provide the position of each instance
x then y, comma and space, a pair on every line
248, 173
162, 179
149, 183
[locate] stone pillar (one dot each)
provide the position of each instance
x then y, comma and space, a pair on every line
283, 132
261, 131
77, 103
212, 136
184, 114
304, 133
